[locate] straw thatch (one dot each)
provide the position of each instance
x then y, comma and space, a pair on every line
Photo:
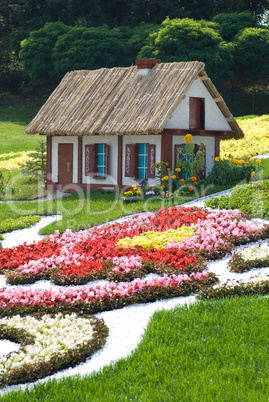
119, 101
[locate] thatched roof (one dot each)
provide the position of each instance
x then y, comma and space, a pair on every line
119, 101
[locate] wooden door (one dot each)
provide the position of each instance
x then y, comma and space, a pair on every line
65, 164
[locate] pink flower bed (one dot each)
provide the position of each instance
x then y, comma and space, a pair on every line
78, 258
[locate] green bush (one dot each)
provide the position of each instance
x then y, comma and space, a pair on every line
8, 225
251, 198
231, 171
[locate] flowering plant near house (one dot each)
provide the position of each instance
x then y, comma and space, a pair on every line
191, 162
232, 170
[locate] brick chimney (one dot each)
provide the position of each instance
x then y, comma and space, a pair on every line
145, 65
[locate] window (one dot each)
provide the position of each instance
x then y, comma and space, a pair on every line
139, 160
197, 113
142, 161
101, 157
96, 160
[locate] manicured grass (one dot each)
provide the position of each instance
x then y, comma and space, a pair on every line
83, 210
13, 120
211, 351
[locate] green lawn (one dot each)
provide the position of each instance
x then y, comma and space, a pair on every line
13, 120
211, 351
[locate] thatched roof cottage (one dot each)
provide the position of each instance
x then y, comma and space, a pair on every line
107, 127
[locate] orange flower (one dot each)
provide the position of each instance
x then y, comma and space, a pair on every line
162, 187
195, 183
193, 178
190, 188
182, 180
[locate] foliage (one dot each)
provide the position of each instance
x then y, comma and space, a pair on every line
36, 165
88, 48
251, 198
187, 39
36, 53
231, 171
251, 44
10, 224
230, 24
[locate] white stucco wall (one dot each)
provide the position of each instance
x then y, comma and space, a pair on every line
54, 156
210, 148
140, 139
112, 142
214, 119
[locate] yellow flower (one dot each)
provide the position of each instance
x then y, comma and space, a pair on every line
241, 161
174, 176
188, 138
235, 161
252, 173
178, 170
217, 159
138, 192
165, 178
251, 160
166, 163
258, 160
134, 186
190, 188
0, 181
203, 144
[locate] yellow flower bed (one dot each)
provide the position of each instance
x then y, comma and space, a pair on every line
158, 239
256, 141
14, 161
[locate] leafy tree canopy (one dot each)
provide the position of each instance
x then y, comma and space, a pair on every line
36, 52
189, 40
231, 24
88, 48
251, 56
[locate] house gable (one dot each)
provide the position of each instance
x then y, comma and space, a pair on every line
214, 119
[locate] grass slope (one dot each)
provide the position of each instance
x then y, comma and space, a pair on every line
210, 351
13, 120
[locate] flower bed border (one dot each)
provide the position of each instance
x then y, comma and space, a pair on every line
29, 373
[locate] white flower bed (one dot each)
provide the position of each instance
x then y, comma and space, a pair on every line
49, 343
255, 252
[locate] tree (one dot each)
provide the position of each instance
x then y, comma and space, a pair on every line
251, 59
35, 167
88, 48
190, 40
36, 53
231, 24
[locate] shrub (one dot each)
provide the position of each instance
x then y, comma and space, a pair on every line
231, 171
251, 198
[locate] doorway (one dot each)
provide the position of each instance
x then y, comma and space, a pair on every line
65, 165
